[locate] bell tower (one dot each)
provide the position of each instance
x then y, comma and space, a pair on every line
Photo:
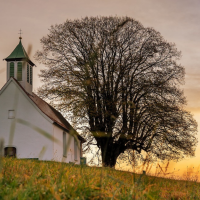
20, 67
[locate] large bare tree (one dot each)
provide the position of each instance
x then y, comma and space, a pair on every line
123, 81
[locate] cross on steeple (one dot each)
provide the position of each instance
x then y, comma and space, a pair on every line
20, 32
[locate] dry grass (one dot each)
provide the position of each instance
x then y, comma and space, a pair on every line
30, 179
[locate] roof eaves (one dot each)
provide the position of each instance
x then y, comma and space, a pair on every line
58, 123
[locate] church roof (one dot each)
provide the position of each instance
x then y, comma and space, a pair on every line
53, 114
19, 54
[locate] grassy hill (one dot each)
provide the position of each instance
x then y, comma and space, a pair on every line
31, 179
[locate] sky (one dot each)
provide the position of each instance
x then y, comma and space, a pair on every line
176, 20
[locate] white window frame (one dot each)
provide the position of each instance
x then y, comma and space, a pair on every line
11, 114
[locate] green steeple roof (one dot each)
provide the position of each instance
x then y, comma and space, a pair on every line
19, 54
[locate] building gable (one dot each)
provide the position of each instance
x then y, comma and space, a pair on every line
20, 90
46, 110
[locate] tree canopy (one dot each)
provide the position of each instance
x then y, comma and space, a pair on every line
122, 81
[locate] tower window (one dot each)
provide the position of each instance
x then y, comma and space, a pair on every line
28, 73
19, 71
12, 69
31, 72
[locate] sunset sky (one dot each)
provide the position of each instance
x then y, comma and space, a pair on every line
176, 20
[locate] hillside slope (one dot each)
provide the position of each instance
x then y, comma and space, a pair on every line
31, 179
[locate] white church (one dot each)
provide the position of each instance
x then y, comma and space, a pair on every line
29, 126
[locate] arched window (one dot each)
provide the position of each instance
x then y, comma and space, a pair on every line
19, 71
28, 73
10, 151
12, 69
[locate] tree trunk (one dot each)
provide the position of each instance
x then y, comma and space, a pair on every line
110, 153
109, 161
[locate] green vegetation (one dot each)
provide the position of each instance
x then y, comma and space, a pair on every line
32, 179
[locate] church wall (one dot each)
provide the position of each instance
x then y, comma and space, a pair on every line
27, 86
29, 142
58, 147
79, 152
